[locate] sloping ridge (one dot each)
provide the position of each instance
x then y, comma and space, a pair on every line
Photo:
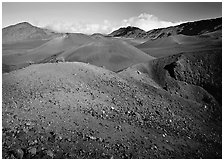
50, 48
159, 43
189, 28
171, 45
112, 54
173, 41
64, 42
25, 31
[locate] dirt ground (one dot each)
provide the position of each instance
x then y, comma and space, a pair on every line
77, 110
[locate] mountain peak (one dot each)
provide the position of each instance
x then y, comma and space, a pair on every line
133, 28
24, 31
24, 23
129, 31
20, 25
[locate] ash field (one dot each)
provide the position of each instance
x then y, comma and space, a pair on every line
129, 94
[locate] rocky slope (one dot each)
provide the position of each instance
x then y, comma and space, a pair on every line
198, 68
175, 72
76, 110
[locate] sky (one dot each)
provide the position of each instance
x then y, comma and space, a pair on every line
105, 17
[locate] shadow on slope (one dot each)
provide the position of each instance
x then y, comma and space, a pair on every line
196, 76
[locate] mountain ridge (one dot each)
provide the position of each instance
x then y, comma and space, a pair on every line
28, 31
199, 27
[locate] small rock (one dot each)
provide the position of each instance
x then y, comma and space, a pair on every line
118, 127
50, 153
59, 137
35, 141
146, 138
139, 118
18, 153
92, 137
154, 147
188, 137
101, 139
32, 151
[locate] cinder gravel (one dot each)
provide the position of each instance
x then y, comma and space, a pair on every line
76, 110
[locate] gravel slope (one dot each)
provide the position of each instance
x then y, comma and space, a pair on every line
77, 110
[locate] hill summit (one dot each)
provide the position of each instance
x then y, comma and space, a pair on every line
24, 32
129, 31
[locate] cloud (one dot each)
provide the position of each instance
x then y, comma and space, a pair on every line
80, 27
147, 22
144, 21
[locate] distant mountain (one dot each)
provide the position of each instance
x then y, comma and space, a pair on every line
98, 36
189, 29
130, 32
25, 31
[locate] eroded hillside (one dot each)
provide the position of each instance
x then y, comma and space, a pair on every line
76, 110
